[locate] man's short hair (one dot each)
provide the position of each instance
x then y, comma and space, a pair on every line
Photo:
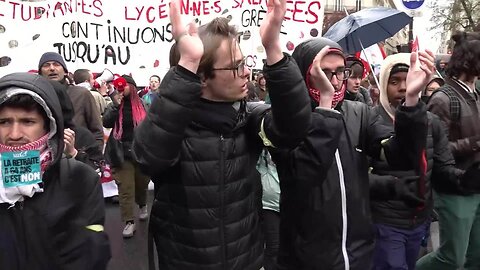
356, 66
27, 103
81, 75
156, 76
212, 34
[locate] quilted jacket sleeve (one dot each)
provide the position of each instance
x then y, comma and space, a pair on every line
311, 160
158, 138
404, 150
85, 244
286, 125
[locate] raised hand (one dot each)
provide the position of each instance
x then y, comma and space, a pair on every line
69, 140
189, 44
422, 68
319, 80
270, 30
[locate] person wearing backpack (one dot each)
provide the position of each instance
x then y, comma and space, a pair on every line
457, 103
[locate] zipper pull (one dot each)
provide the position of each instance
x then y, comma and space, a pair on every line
222, 141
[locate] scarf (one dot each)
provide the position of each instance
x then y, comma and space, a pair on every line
315, 93
138, 114
13, 194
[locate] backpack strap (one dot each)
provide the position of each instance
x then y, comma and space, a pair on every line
454, 102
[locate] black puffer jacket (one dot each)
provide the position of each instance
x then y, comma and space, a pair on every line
208, 192
324, 206
53, 229
387, 207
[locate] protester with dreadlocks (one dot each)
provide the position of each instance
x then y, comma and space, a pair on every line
123, 115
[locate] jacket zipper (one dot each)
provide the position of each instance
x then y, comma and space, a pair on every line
222, 200
343, 192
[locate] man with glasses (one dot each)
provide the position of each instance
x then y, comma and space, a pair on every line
200, 143
324, 209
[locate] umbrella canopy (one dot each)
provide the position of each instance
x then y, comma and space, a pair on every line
368, 26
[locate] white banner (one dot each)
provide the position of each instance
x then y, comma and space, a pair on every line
133, 36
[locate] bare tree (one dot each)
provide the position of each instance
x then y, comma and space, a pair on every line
456, 15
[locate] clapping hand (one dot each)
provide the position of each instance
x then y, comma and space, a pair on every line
422, 68
270, 30
189, 44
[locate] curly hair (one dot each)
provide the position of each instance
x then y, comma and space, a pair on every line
465, 56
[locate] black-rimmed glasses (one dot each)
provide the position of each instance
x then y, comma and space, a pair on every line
239, 68
341, 74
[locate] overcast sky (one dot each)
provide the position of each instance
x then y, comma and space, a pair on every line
428, 39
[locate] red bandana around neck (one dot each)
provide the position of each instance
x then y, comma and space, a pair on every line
315, 93
40, 144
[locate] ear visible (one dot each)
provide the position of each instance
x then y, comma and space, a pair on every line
203, 81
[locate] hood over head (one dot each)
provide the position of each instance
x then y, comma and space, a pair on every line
42, 92
306, 51
396, 63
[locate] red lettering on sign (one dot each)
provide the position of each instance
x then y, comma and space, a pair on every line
200, 7
150, 13
298, 11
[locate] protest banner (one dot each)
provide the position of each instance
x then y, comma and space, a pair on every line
133, 36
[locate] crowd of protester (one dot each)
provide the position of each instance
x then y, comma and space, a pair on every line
311, 163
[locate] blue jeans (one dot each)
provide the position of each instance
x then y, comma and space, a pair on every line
397, 249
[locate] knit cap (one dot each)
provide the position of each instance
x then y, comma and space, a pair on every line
52, 56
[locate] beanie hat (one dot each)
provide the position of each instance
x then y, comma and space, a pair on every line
51, 56
129, 80
401, 67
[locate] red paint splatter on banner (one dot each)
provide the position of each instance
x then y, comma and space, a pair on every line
290, 46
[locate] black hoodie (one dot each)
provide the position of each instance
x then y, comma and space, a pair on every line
324, 208
61, 227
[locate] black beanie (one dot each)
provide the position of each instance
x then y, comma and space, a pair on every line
399, 68
129, 80
51, 56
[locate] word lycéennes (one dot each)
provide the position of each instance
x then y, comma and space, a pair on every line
148, 13
200, 7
